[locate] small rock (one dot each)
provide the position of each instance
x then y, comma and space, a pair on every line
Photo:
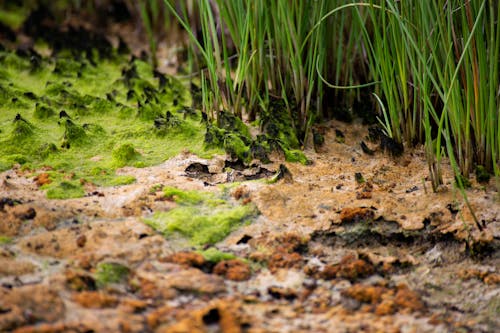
95, 299
233, 269
42, 179
81, 240
356, 214
192, 259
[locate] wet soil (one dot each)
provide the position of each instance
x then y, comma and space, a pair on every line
353, 242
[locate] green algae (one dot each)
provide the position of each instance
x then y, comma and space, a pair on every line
43, 111
65, 190
124, 154
110, 272
119, 180
185, 197
203, 218
4, 240
22, 128
98, 130
214, 255
230, 133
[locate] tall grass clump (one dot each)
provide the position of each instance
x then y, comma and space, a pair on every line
438, 67
257, 51
432, 68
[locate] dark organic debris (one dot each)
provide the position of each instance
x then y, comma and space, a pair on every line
387, 144
211, 317
482, 175
359, 178
244, 239
8, 202
6, 33
391, 146
196, 170
283, 173
412, 189
339, 136
365, 148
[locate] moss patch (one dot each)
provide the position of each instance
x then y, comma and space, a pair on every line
234, 136
65, 190
203, 218
214, 255
107, 273
5, 240
90, 117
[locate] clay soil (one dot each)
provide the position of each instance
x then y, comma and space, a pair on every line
350, 243
328, 252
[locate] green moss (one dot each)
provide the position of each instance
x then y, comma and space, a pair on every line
100, 120
124, 154
184, 197
155, 188
46, 149
107, 273
13, 15
214, 255
74, 134
236, 147
482, 175
5, 240
200, 217
199, 226
4, 165
293, 155
43, 111
65, 190
22, 128
121, 180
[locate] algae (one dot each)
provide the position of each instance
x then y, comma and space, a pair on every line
4, 240
74, 116
110, 272
214, 255
65, 190
124, 154
184, 197
230, 133
203, 218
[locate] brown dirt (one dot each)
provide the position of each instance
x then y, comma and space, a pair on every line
327, 253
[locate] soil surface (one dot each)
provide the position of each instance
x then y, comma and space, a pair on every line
356, 241
353, 242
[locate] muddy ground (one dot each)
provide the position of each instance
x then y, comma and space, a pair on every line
353, 242
329, 252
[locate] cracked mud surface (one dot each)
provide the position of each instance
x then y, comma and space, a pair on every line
327, 253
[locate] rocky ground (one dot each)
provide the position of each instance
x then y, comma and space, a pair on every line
353, 242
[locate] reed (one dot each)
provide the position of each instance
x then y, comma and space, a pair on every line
433, 68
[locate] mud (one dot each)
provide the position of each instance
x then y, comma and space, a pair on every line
317, 257
350, 239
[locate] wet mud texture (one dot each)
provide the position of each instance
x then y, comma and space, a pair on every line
352, 242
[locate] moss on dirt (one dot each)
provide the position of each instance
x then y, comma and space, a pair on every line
203, 218
5, 240
234, 136
107, 273
83, 117
214, 255
184, 197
